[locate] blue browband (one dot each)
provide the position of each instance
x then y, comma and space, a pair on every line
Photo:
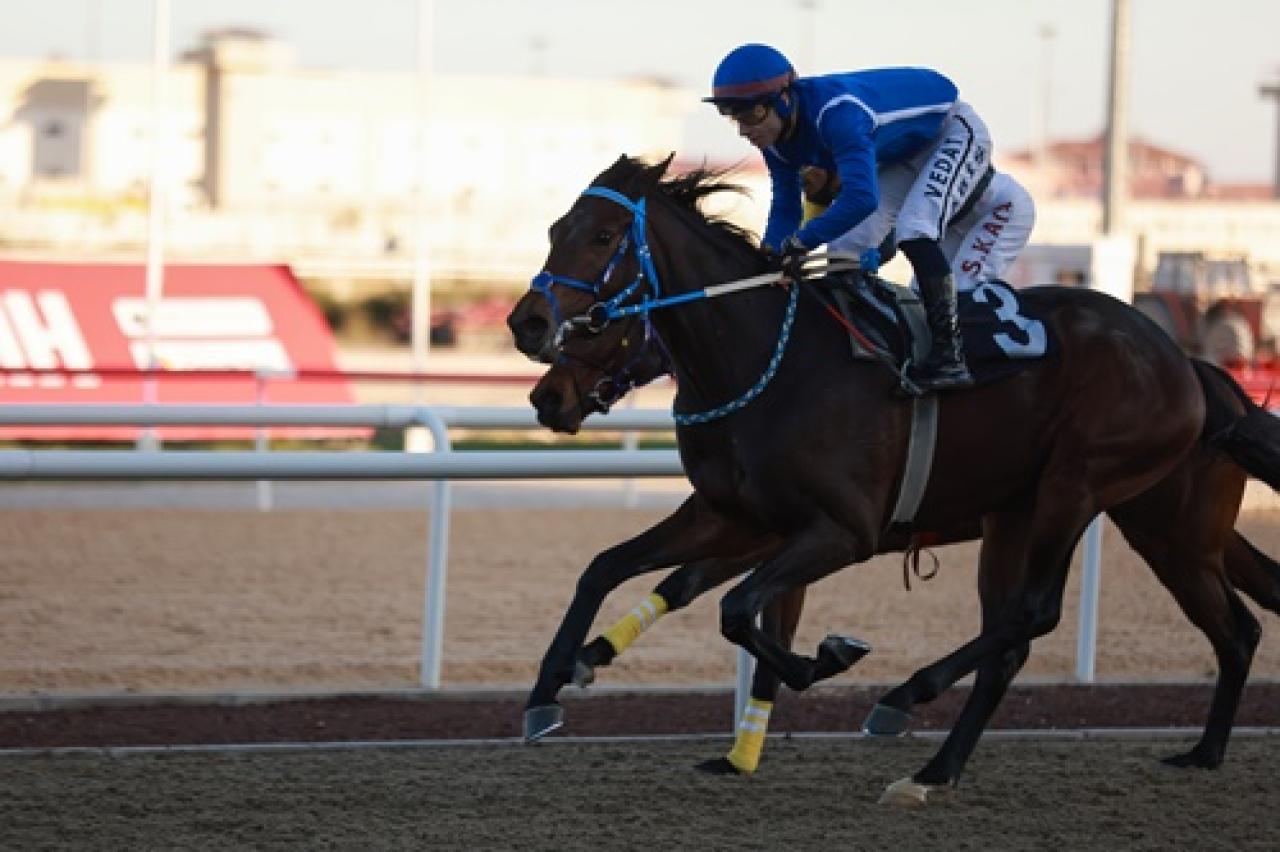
635, 236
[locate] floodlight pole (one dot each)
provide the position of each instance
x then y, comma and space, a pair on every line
420, 304
157, 201
1116, 164
1272, 90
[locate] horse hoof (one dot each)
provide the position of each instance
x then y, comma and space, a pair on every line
837, 653
906, 793
1193, 759
540, 721
719, 766
886, 721
583, 674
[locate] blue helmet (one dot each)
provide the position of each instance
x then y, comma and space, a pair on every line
752, 73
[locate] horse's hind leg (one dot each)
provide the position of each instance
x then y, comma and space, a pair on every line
1253, 572
1188, 558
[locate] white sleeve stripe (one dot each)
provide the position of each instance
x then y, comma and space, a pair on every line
845, 99
877, 119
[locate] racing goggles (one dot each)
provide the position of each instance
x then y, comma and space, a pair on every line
747, 116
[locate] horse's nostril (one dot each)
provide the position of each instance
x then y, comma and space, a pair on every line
546, 402
530, 334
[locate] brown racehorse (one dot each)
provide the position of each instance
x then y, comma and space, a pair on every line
794, 452
573, 389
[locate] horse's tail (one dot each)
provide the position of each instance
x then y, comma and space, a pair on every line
1238, 426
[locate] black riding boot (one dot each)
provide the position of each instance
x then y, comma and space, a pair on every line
944, 368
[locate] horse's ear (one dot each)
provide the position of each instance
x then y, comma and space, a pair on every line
648, 178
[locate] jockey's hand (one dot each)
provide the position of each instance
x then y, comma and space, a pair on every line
869, 261
790, 260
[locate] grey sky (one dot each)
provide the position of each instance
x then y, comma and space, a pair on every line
1196, 65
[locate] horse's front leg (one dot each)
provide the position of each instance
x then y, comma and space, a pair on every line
822, 549
695, 531
780, 620
676, 591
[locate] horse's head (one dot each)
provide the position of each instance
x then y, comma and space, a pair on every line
592, 258
592, 373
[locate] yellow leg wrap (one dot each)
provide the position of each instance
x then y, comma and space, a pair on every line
752, 728
640, 619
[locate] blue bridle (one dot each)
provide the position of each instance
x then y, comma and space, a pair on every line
601, 314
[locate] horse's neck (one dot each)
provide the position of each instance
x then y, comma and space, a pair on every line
719, 346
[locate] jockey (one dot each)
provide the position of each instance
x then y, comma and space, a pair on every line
980, 242
904, 148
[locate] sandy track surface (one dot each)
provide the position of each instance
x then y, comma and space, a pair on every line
817, 794
226, 600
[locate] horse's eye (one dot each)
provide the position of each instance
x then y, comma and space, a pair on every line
603, 238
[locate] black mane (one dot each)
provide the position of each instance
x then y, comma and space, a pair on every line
687, 190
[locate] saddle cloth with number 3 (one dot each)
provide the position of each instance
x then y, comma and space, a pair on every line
999, 333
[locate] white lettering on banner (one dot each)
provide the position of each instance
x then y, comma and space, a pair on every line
268, 354
43, 340
1036, 338
195, 317
46, 338
11, 355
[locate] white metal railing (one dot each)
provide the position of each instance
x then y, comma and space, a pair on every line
443, 465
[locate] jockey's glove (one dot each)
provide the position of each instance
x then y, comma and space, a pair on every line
869, 260
791, 258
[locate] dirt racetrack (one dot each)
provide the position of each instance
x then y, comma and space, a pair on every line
179, 601
817, 794
183, 600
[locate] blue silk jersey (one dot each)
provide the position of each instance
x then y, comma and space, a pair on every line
852, 124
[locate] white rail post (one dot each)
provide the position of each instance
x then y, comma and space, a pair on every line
1087, 637
742, 685
437, 559
261, 443
630, 441
157, 201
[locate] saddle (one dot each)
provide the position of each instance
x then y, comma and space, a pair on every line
895, 323
999, 335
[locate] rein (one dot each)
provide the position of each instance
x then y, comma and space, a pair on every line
601, 313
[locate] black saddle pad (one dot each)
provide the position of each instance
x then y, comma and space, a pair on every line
1001, 334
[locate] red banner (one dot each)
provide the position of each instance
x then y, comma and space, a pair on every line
77, 333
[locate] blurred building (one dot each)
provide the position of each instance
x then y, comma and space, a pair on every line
267, 160
1174, 206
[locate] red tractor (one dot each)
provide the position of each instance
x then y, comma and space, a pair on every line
1213, 308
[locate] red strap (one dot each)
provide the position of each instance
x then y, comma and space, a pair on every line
851, 328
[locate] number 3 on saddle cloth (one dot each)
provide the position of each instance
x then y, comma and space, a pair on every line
1000, 333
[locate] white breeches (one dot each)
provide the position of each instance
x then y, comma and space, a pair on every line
986, 241
919, 197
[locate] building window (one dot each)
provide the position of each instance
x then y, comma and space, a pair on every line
54, 129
